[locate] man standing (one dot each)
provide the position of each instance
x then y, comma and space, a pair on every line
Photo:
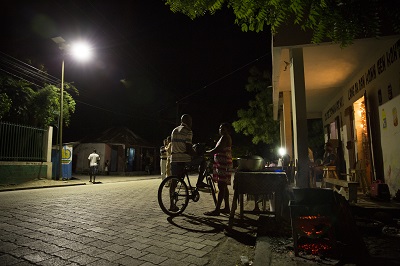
94, 160
163, 160
182, 150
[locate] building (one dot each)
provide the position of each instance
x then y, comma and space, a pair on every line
125, 151
355, 90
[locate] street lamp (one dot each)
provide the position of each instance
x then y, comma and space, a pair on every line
282, 152
79, 51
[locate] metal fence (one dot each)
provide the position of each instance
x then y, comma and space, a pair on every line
22, 143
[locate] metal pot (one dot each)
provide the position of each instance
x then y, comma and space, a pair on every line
251, 163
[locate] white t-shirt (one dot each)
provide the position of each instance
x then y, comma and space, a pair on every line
93, 158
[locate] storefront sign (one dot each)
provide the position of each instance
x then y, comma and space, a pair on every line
383, 62
336, 107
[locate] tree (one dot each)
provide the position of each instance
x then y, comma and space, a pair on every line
5, 104
45, 106
25, 103
257, 121
18, 94
328, 20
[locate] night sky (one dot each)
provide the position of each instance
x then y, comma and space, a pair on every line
146, 60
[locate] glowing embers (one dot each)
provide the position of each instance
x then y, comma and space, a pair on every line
315, 233
313, 226
317, 246
313, 218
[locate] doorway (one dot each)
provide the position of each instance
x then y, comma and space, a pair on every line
362, 146
130, 159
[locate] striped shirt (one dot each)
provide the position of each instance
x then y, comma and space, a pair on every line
180, 136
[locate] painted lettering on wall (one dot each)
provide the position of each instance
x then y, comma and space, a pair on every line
336, 107
370, 75
381, 65
393, 54
361, 84
356, 87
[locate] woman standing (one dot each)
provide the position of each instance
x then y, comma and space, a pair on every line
222, 168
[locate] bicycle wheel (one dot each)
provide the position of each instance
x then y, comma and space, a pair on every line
211, 184
173, 196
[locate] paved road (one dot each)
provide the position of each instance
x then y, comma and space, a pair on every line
112, 224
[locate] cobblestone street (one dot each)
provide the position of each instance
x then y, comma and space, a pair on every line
112, 224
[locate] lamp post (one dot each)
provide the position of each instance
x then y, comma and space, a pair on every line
79, 50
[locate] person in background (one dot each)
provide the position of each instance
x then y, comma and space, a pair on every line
106, 167
310, 155
163, 160
329, 159
329, 156
148, 163
94, 160
168, 154
222, 168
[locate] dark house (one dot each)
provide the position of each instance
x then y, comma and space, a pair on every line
125, 151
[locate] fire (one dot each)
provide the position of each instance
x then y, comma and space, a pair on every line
315, 248
311, 217
313, 226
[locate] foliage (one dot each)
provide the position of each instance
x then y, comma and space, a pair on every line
335, 20
257, 121
5, 104
24, 103
19, 95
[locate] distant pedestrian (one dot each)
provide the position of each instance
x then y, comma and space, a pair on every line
163, 160
94, 160
106, 167
168, 149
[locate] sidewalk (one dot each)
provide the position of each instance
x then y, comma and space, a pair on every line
76, 180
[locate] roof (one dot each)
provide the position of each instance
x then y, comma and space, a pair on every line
328, 68
117, 135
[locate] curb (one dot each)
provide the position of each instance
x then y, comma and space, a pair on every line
80, 182
38, 187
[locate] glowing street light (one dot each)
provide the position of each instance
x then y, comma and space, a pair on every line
80, 51
282, 151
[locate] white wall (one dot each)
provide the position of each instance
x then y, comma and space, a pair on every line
381, 72
349, 93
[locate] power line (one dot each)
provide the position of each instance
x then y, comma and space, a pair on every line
221, 78
26, 70
124, 114
215, 81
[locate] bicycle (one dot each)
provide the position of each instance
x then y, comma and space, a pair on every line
174, 193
